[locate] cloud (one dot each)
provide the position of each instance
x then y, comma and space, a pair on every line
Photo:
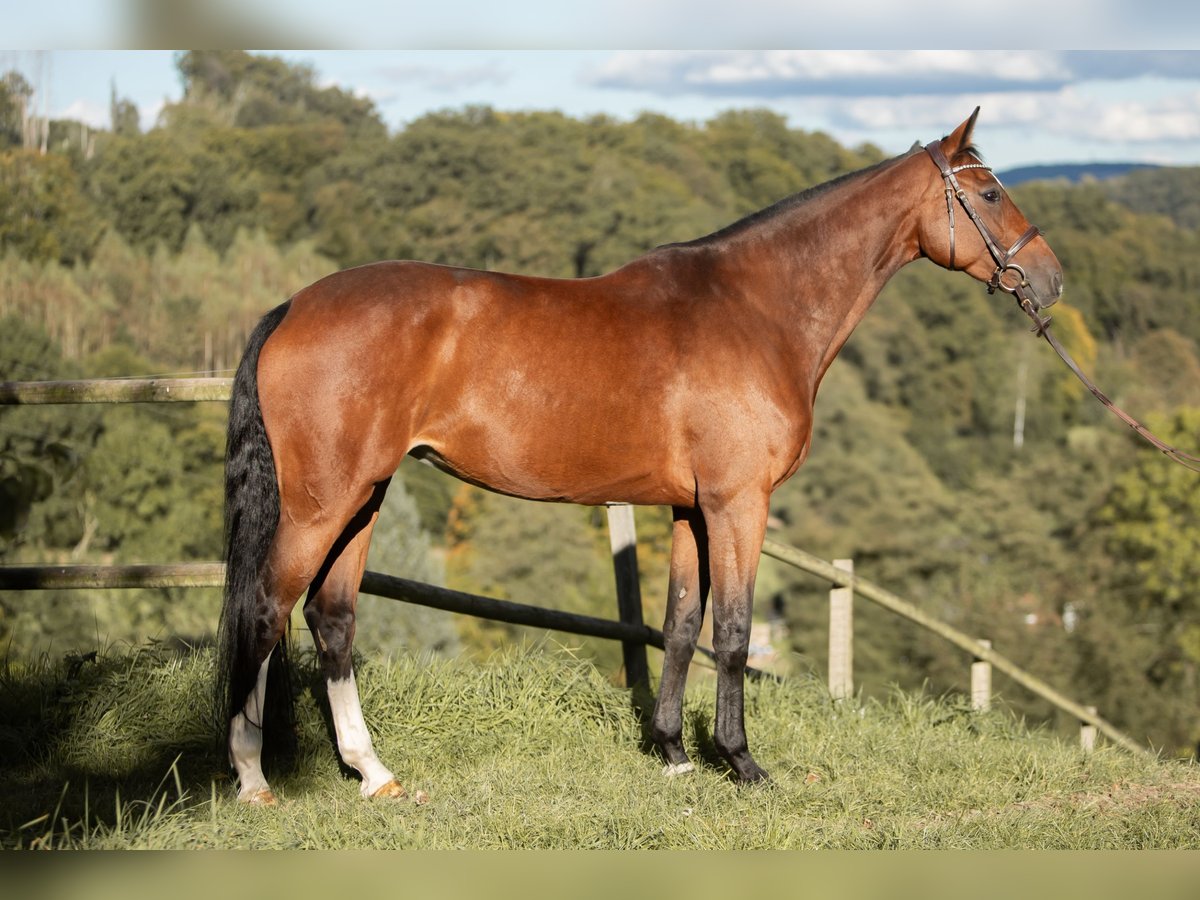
772, 74
863, 93
448, 80
782, 73
93, 114
1086, 64
1068, 113
1172, 119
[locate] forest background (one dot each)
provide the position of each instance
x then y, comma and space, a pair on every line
954, 459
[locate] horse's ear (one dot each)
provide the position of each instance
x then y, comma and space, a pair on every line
960, 137
917, 145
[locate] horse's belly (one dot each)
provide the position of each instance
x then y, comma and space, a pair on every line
587, 476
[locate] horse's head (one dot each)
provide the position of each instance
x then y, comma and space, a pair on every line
989, 238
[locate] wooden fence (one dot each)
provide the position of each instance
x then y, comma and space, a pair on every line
628, 628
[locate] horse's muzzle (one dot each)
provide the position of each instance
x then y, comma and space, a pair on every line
1046, 299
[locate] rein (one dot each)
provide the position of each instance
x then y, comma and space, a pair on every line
1027, 299
1042, 327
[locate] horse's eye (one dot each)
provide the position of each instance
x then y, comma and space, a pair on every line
991, 196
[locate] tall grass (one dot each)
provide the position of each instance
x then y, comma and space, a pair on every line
538, 749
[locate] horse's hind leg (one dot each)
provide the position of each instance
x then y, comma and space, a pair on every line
329, 611
292, 562
686, 597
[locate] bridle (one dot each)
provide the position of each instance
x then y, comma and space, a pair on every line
1026, 295
1022, 290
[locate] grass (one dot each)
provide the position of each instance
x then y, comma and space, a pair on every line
539, 750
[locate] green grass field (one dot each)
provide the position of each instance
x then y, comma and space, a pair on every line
539, 750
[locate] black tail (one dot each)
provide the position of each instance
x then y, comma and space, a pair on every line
251, 517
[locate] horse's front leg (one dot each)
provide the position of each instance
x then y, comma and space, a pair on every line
687, 594
736, 526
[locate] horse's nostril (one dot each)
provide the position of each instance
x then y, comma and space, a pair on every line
1056, 284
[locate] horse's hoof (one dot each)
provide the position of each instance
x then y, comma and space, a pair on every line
753, 775
262, 797
678, 769
390, 791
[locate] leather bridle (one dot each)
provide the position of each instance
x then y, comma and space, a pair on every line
1022, 290
1027, 298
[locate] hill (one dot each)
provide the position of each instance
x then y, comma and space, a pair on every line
1169, 191
1070, 172
540, 751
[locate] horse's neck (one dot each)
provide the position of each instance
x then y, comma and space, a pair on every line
831, 256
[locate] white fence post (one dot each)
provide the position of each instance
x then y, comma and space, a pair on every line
1087, 733
841, 636
622, 535
981, 682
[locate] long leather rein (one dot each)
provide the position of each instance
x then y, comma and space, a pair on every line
1027, 299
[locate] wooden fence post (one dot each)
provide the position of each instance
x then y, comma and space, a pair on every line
981, 682
1087, 733
622, 536
841, 636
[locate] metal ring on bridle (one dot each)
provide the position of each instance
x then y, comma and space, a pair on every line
997, 279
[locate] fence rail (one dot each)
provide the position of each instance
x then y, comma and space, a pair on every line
115, 390
979, 650
634, 635
212, 575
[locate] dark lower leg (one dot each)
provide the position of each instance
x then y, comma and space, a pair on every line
687, 594
730, 732
736, 533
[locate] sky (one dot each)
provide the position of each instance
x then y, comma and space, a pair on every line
1038, 106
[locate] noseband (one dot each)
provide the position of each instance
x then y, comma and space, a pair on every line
1022, 290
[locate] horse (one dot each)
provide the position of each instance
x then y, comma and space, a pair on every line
685, 378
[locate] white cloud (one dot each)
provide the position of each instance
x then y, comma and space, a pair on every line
1171, 119
776, 73
771, 74
448, 80
87, 111
148, 113
1068, 113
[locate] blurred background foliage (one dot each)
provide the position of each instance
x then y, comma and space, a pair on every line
1061, 538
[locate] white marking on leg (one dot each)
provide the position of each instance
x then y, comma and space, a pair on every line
246, 742
354, 741
682, 593
678, 769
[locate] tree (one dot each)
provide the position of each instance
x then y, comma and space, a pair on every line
123, 115
1147, 530
543, 554
44, 214
401, 547
40, 448
15, 96
252, 90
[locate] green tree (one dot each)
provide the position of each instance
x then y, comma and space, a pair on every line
123, 115
40, 448
43, 212
543, 554
1149, 568
401, 547
15, 95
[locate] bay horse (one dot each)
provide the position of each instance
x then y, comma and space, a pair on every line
685, 378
